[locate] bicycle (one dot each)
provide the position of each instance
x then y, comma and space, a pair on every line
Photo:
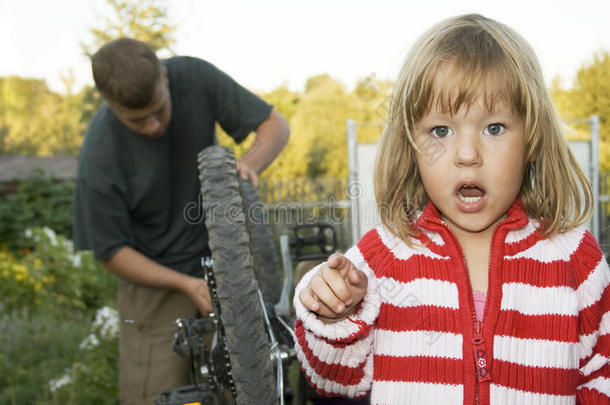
251, 341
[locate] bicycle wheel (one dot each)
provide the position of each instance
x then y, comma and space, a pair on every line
266, 264
241, 314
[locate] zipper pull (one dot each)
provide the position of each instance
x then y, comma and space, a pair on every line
480, 353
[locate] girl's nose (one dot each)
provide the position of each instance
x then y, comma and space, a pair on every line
467, 150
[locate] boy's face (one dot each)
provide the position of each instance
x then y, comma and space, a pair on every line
151, 121
471, 164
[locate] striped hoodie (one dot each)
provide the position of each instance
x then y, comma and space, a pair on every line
544, 339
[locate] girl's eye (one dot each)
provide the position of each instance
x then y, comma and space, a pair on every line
441, 131
494, 129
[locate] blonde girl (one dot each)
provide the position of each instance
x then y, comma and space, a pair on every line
482, 286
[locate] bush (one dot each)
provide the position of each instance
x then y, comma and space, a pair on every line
48, 351
57, 358
49, 295
34, 349
39, 201
53, 274
93, 379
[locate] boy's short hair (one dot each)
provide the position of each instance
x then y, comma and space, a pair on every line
488, 61
126, 71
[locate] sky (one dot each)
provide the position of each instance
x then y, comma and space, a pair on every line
264, 44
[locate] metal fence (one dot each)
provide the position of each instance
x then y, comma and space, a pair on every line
604, 212
294, 202
304, 201
302, 190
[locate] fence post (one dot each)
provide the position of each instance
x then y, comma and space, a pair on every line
594, 122
352, 178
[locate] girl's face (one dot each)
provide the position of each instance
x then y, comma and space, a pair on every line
471, 164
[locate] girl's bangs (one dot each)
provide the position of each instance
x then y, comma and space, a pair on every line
457, 84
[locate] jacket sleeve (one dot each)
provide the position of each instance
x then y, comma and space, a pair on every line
337, 358
594, 323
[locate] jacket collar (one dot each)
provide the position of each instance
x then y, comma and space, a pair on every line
430, 220
515, 215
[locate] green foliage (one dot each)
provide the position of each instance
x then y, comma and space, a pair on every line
318, 146
35, 349
37, 121
39, 201
93, 378
52, 275
589, 95
59, 357
22, 110
48, 296
144, 20
317, 118
284, 100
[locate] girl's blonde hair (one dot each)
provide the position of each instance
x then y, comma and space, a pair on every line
489, 60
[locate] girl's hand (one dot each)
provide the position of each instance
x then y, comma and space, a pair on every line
335, 290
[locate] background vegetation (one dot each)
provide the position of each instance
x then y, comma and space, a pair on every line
35, 120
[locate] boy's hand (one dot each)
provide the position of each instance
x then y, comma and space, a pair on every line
247, 173
197, 290
335, 290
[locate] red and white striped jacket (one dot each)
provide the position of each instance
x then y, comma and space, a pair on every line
544, 339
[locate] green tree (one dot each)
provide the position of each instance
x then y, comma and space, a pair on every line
321, 123
22, 109
287, 103
317, 118
589, 95
36, 121
144, 20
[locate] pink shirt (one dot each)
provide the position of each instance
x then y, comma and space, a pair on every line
479, 304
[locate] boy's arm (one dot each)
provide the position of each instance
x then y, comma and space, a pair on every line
271, 137
133, 266
594, 323
338, 358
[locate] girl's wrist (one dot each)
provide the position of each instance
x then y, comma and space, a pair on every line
343, 317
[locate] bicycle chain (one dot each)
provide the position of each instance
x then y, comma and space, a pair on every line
225, 376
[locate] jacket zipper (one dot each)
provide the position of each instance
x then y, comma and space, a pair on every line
479, 348
480, 357
478, 341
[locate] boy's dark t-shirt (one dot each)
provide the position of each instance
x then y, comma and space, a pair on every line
135, 191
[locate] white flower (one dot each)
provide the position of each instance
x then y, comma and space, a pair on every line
107, 322
76, 260
51, 235
65, 379
89, 342
69, 245
28, 233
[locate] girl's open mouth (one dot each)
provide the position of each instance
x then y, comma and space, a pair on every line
470, 193
471, 197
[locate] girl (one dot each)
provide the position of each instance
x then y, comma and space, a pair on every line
482, 203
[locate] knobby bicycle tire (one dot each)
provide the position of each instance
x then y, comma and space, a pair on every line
266, 264
240, 310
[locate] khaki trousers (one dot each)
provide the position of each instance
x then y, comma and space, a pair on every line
148, 365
